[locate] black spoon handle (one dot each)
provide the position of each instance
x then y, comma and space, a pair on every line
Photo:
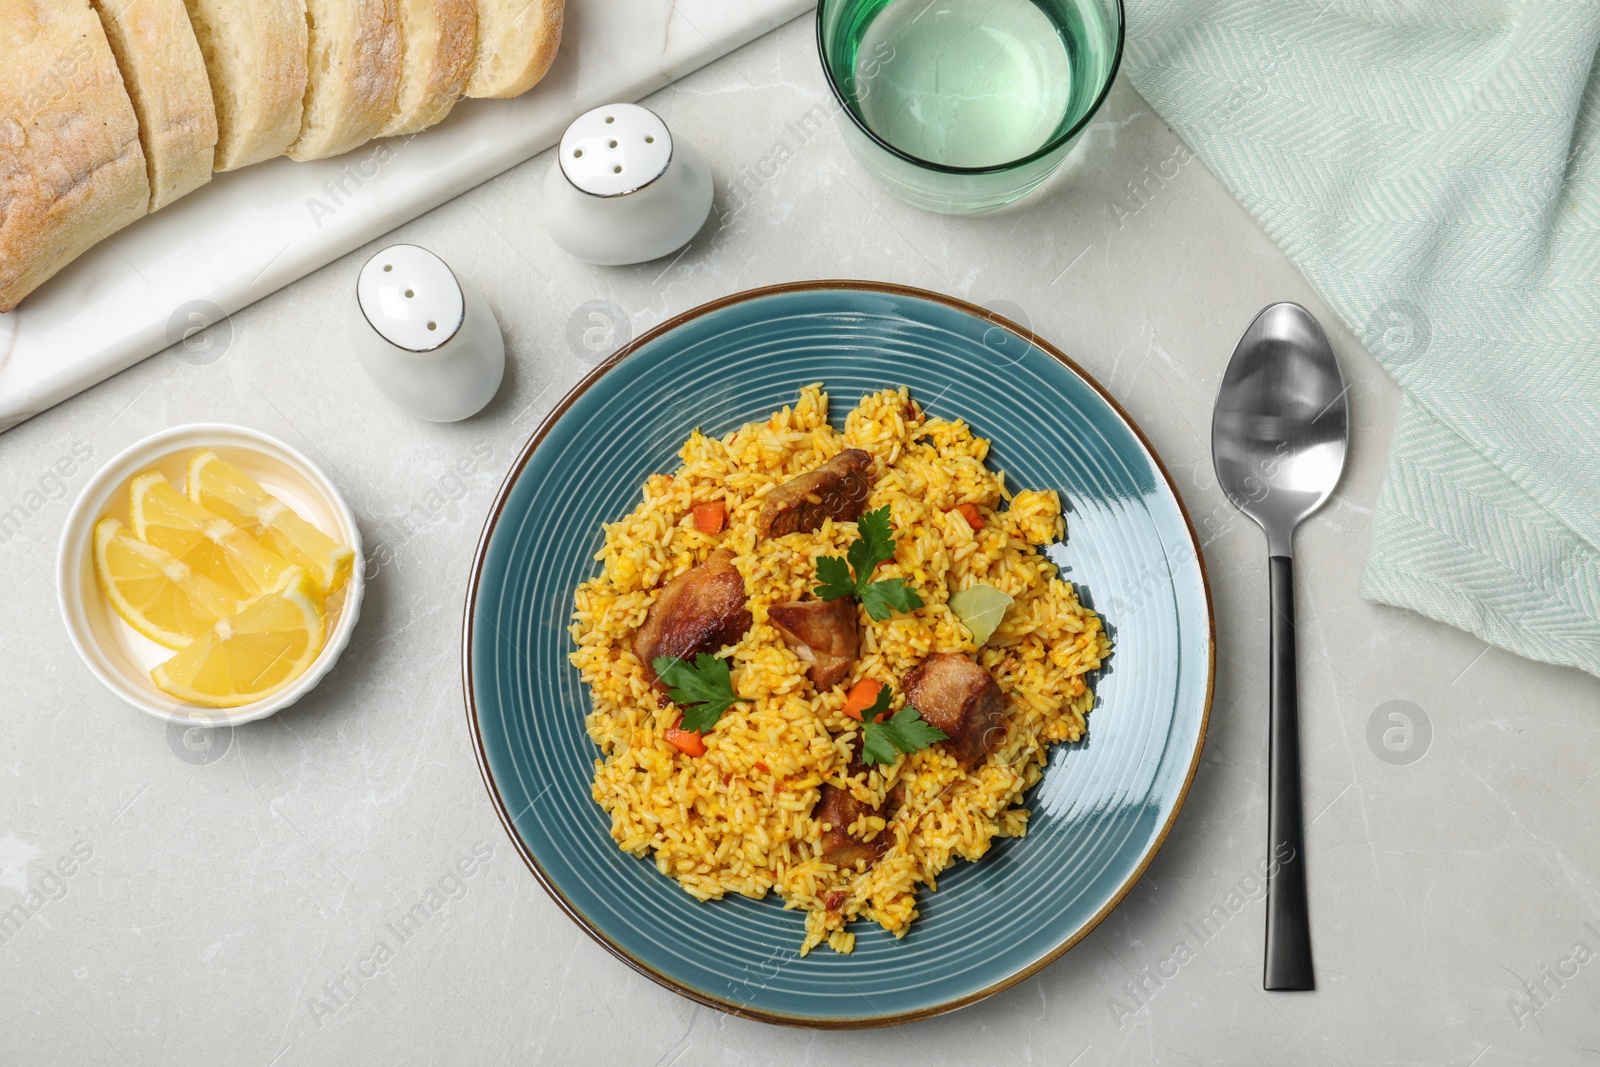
1288, 963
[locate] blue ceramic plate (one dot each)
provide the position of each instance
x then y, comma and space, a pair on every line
1104, 805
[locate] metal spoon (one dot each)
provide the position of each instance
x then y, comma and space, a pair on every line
1278, 437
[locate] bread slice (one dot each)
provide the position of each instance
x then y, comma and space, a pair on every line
438, 45
517, 39
255, 53
166, 78
71, 169
354, 74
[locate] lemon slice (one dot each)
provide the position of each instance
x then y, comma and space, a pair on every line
206, 542
219, 486
154, 592
252, 654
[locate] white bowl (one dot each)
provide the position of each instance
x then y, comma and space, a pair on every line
119, 656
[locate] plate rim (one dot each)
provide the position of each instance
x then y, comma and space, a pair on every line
479, 557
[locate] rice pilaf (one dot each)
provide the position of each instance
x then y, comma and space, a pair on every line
739, 818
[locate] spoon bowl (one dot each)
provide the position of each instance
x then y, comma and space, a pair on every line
1279, 431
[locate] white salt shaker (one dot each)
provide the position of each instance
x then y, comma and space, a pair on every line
426, 337
623, 189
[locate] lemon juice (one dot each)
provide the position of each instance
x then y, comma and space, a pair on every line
975, 83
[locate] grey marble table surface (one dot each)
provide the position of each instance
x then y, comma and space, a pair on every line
224, 899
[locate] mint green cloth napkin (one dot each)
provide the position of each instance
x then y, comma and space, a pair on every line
1431, 166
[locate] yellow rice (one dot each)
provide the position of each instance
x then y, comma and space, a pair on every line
719, 823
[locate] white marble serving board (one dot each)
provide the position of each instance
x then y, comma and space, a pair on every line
250, 232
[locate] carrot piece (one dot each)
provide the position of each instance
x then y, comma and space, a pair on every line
762, 767
709, 518
686, 741
861, 697
970, 513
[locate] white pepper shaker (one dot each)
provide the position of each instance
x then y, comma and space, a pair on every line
425, 336
623, 189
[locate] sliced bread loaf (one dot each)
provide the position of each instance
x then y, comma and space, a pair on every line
255, 53
71, 169
166, 79
354, 73
438, 43
517, 39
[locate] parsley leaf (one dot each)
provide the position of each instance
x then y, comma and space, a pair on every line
882, 599
852, 576
880, 704
836, 580
883, 740
876, 748
874, 543
703, 690
908, 732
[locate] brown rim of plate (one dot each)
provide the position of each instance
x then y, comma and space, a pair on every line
582, 920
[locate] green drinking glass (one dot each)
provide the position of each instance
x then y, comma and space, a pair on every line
962, 106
